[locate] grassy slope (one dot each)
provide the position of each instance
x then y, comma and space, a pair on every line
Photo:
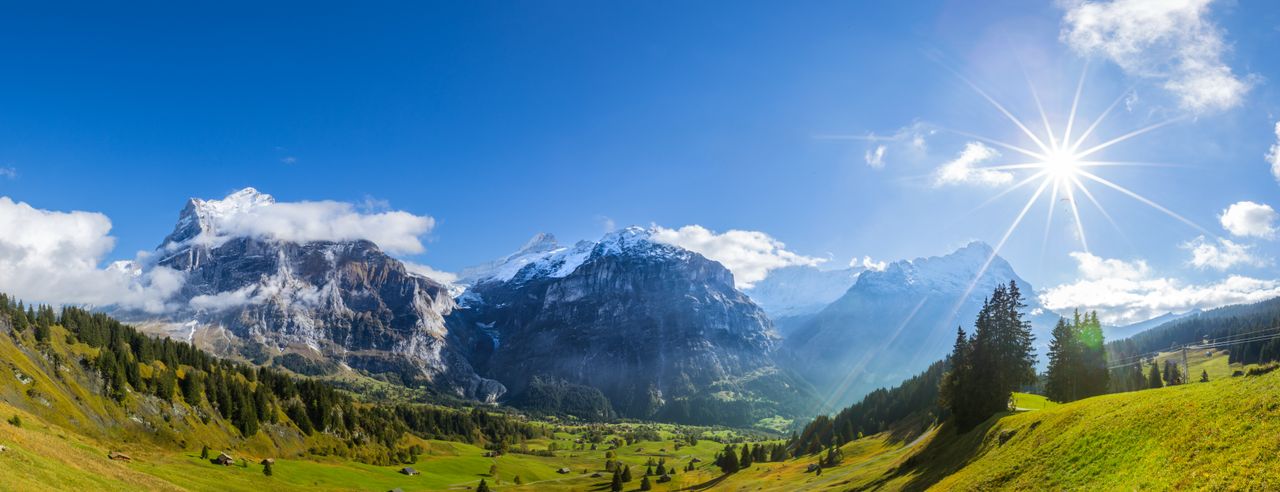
44, 456
1027, 401
1223, 434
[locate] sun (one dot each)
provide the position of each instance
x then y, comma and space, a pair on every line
1059, 169
1061, 164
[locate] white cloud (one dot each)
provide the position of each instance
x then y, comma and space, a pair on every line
52, 257
875, 158
750, 255
1273, 155
431, 273
8, 172
867, 263
247, 213
1125, 291
1222, 255
1095, 268
962, 170
289, 159
1249, 219
1172, 41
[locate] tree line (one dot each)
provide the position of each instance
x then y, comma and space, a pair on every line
978, 378
249, 396
877, 411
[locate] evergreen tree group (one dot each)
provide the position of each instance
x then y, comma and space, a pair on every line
249, 397
989, 365
1077, 360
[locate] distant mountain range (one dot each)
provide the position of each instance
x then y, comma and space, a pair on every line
1126, 331
892, 324
623, 326
801, 290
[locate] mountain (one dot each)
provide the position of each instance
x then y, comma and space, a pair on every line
1126, 331
801, 290
308, 304
658, 330
891, 324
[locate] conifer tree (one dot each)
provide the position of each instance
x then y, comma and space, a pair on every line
1153, 377
616, 484
989, 365
644, 484
1204, 376
484, 487
626, 473
745, 461
728, 460
1063, 356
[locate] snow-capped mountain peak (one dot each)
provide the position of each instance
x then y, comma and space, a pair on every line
201, 217
543, 257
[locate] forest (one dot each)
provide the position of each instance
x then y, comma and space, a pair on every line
248, 396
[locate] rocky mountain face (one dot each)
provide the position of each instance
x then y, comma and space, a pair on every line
892, 324
660, 331
313, 304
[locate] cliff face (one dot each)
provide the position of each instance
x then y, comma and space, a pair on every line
345, 302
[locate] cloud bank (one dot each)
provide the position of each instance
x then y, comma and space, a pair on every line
52, 257
750, 255
1170, 41
1125, 292
1222, 254
248, 213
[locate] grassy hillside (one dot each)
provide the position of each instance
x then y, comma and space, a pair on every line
1221, 435
44, 456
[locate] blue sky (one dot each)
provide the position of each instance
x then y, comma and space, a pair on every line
503, 119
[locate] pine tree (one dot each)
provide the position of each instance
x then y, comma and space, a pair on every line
745, 461
626, 473
988, 366
728, 460
1153, 377
266, 468
1204, 376
953, 391
1064, 353
204, 451
484, 487
1077, 359
616, 484
644, 484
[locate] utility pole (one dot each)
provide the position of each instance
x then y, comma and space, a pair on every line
1186, 369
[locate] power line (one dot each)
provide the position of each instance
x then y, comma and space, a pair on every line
1237, 339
